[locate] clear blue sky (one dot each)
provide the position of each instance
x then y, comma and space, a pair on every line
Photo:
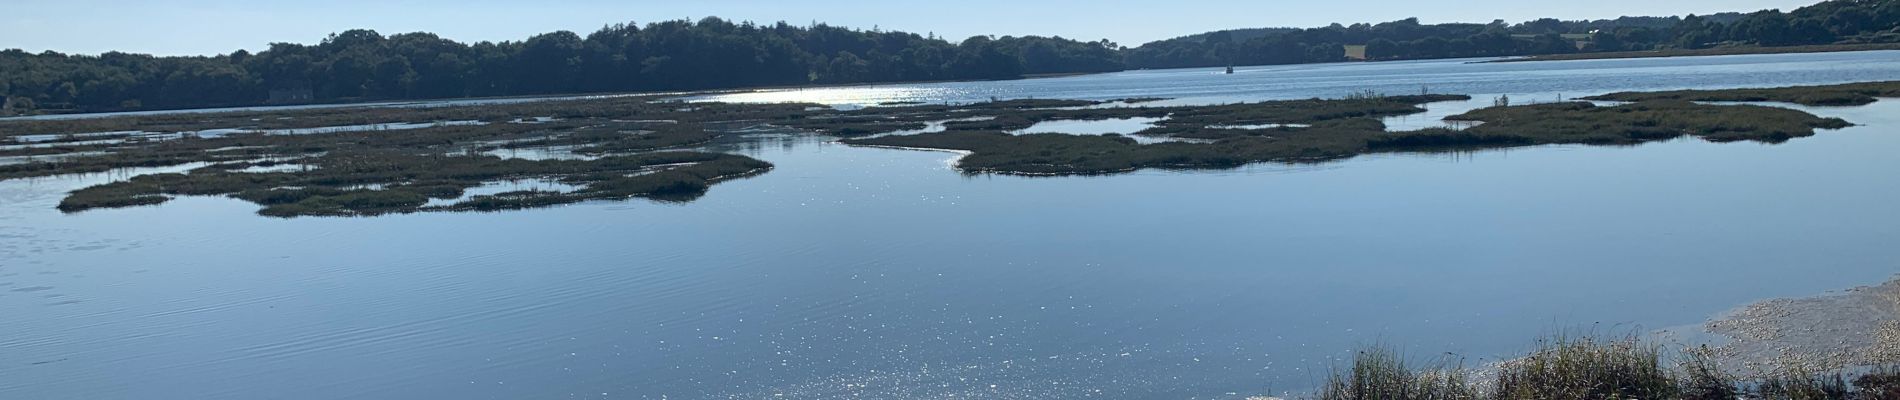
179, 27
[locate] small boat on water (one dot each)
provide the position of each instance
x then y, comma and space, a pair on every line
1230, 70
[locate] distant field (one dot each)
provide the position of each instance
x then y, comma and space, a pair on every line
1356, 51
1724, 51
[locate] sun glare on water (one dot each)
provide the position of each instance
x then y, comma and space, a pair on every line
838, 96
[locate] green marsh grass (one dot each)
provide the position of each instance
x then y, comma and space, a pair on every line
1381, 373
1597, 368
1852, 94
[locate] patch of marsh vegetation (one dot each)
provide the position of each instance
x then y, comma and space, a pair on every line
1852, 94
1317, 130
1586, 123
371, 183
607, 145
623, 150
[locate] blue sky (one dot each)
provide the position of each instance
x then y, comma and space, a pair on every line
181, 27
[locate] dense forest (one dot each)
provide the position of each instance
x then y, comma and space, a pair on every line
1838, 21
712, 53
673, 55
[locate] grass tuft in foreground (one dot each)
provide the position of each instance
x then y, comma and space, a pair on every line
1380, 373
1587, 368
1798, 383
1597, 368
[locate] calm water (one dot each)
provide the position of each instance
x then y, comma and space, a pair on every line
1530, 81
884, 274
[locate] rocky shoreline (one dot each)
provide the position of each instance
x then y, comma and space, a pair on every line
1843, 330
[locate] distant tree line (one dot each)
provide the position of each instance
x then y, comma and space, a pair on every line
1838, 21
674, 55
713, 53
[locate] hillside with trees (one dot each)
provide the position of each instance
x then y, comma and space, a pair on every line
674, 55
1837, 21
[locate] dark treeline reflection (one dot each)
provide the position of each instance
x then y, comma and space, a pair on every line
714, 53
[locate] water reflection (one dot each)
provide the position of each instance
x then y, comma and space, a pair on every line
932, 127
505, 187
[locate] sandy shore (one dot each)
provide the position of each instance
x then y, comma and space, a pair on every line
1856, 327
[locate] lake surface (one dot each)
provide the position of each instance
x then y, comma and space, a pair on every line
884, 274
1524, 81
